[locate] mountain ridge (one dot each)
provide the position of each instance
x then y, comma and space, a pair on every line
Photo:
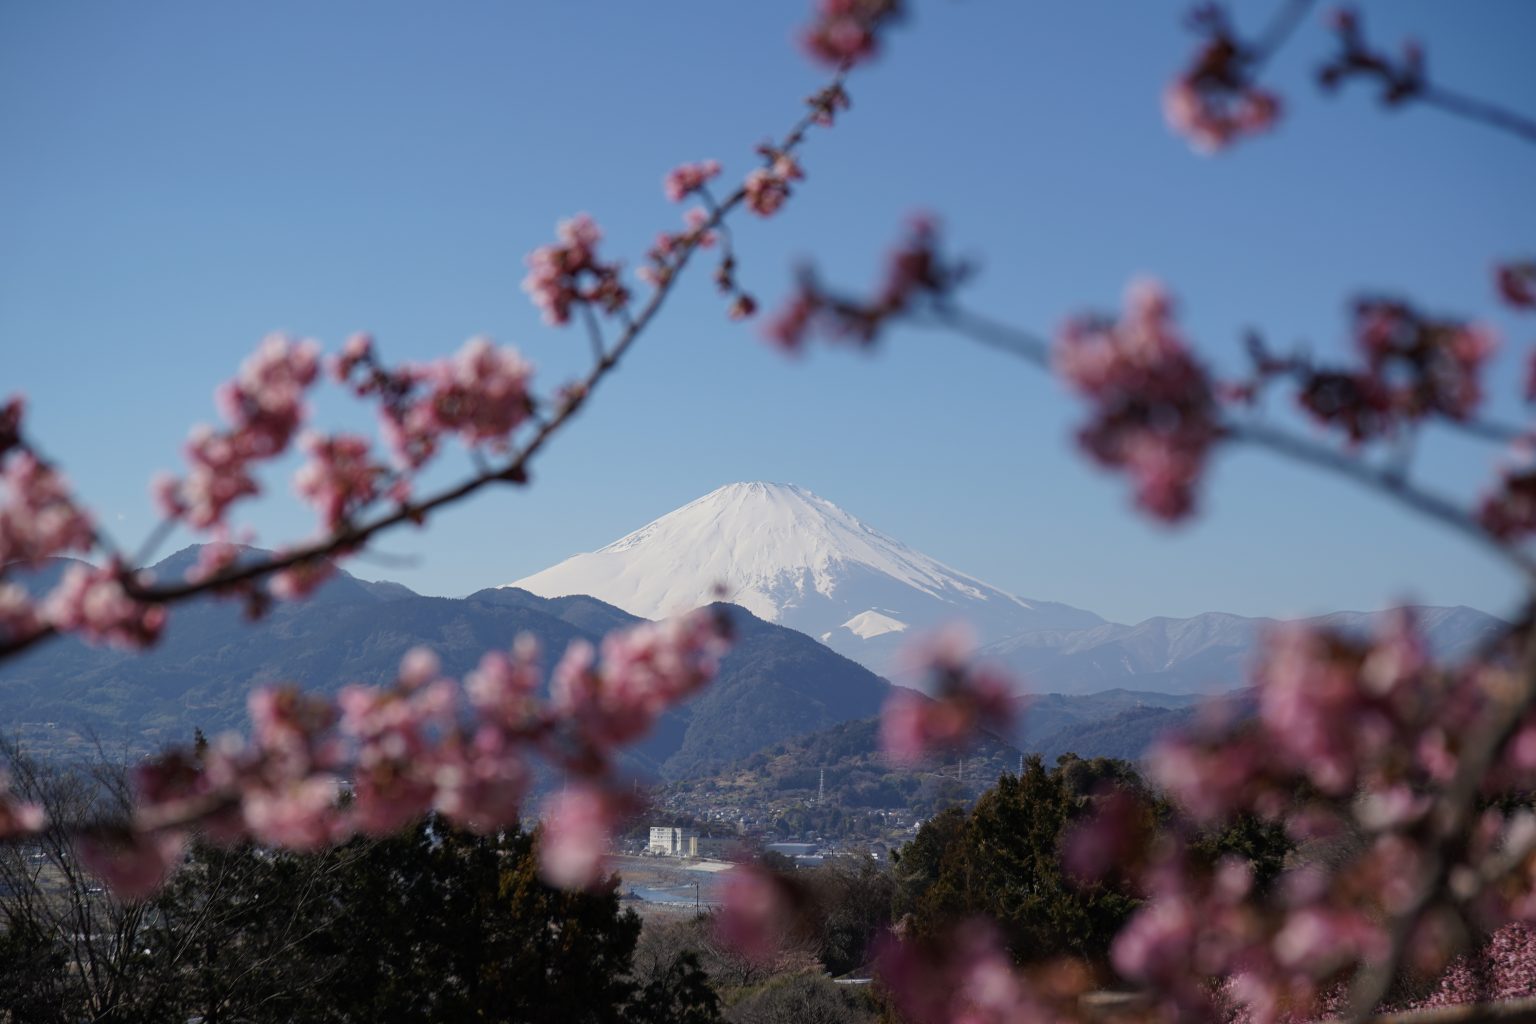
790, 556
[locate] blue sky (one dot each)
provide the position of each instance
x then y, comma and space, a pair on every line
179, 179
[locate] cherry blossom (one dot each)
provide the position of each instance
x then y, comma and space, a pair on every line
969, 978
760, 912
17, 817
578, 823
133, 864
1428, 365
264, 407
562, 275
18, 615
94, 602
38, 516
1215, 101
340, 476
967, 700
847, 32
1154, 411
1516, 284
644, 670
686, 179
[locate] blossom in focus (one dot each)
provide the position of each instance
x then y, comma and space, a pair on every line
569, 272
481, 393
686, 179
1154, 411
766, 191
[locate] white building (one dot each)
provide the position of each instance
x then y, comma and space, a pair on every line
671, 841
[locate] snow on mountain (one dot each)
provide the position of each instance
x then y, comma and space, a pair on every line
794, 558
870, 624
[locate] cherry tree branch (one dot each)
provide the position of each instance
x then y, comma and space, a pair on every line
1035, 350
349, 537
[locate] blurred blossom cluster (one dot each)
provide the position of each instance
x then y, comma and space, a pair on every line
317, 770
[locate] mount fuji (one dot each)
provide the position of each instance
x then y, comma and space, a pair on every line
796, 559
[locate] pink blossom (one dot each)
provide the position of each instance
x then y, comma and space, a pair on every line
1216, 101
482, 786
559, 276
1509, 511
1516, 283
357, 352
766, 192
481, 393
757, 914
294, 728
220, 475
504, 689
396, 733
742, 307
1110, 838
38, 516
18, 614
213, 558
827, 102
132, 864
1154, 410
95, 603
299, 813
970, 978
1212, 118
686, 179
301, 579
790, 326
967, 700
1427, 365
264, 407
264, 404
645, 670
17, 817
340, 477
577, 830
847, 32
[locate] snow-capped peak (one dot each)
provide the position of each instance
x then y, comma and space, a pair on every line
786, 555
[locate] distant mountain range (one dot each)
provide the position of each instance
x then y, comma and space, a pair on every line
825, 604
794, 558
774, 684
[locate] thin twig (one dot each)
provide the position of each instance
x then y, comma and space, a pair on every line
1479, 110
1285, 21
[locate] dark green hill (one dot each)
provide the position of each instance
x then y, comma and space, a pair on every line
775, 684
